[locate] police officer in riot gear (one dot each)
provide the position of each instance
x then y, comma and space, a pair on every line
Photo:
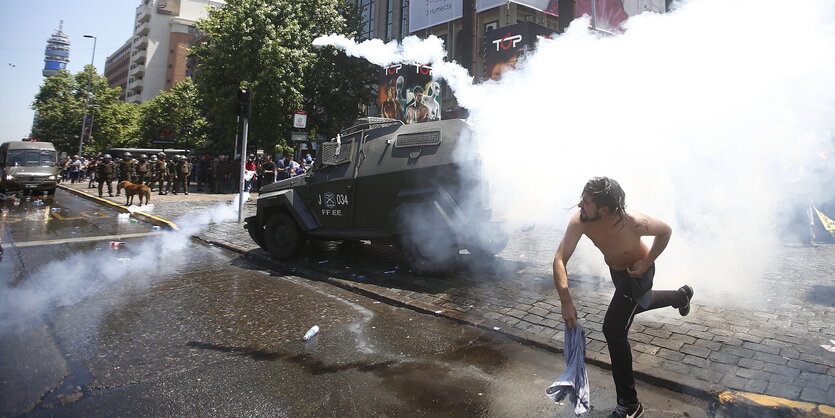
142, 170
183, 172
152, 171
125, 171
162, 172
172, 175
105, 173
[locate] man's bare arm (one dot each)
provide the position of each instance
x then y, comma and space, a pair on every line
566, 248
648, 226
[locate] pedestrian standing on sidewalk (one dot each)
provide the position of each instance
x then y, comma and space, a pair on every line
617, 233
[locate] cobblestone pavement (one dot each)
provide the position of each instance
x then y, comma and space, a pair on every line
771, 346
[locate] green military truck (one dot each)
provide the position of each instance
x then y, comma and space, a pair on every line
417, 186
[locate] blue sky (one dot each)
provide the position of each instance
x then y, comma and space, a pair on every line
25, 26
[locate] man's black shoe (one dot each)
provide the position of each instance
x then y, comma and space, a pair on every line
687, 291
630, 411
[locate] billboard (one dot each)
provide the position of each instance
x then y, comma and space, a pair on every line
504, 47
610, 13
55, 65
408, 93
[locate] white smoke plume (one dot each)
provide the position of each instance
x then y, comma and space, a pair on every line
712, 117
85, 274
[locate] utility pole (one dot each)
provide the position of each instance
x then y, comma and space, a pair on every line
245, 99
87, 99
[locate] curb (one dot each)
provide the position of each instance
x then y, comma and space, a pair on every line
121, 208
756, 405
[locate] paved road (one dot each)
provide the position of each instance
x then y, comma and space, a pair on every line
772, 345
166, 326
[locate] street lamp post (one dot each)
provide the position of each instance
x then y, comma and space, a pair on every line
87, 98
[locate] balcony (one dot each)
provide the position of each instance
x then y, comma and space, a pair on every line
142, 29
138, 56
142, 15
135, 85
140, 42
137, 70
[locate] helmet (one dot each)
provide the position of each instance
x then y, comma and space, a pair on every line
127, 154
161, 154
153, 157
142, 156
107, 157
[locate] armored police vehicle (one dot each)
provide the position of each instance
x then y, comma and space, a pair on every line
417, 186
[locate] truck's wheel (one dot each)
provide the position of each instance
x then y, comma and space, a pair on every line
50, 192
283, 237
431, 258
256, 231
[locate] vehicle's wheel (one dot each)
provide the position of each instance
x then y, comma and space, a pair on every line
256, 231
283, 237
429, 257
50, 192
488, 242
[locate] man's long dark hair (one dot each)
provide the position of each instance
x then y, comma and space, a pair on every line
605, 192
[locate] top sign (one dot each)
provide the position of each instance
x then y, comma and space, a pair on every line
300, 119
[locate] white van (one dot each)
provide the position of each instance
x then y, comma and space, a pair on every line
28, 165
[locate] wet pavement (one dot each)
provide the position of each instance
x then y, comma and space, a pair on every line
167, 326
773, 345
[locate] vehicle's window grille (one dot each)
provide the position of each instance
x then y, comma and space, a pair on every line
418, 139
335, 154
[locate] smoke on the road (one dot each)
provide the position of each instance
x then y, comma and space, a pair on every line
82, 275
712, 117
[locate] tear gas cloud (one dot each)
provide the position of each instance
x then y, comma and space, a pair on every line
81, 275
712, 117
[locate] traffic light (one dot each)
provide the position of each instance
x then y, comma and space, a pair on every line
245, 99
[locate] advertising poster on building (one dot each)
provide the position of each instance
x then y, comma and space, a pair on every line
505, 47
408, 93
610, 13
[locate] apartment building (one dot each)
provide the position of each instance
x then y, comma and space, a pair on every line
116, 69
163, 32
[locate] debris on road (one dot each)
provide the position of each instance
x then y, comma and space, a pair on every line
311, 332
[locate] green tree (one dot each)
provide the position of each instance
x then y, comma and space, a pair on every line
267, 45
176, 114
60, 108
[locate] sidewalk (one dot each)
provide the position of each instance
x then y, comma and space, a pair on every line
737, 357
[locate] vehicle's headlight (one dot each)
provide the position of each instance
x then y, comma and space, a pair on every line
51, 178
9, 177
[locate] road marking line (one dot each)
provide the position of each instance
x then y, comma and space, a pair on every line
83, 239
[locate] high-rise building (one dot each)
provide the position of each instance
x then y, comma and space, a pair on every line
116, 69
163, 32
57, 54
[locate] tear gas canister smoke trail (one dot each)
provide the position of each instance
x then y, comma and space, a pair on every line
711, 119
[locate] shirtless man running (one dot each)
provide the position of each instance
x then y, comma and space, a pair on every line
617, 233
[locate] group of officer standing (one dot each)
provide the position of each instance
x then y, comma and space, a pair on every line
169, 174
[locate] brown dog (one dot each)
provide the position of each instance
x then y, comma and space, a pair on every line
136, 189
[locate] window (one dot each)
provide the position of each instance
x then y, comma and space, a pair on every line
404, 18
31, 158
367, 12
389, 19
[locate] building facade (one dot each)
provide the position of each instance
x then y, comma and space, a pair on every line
116, 69
57, 53
163, 32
